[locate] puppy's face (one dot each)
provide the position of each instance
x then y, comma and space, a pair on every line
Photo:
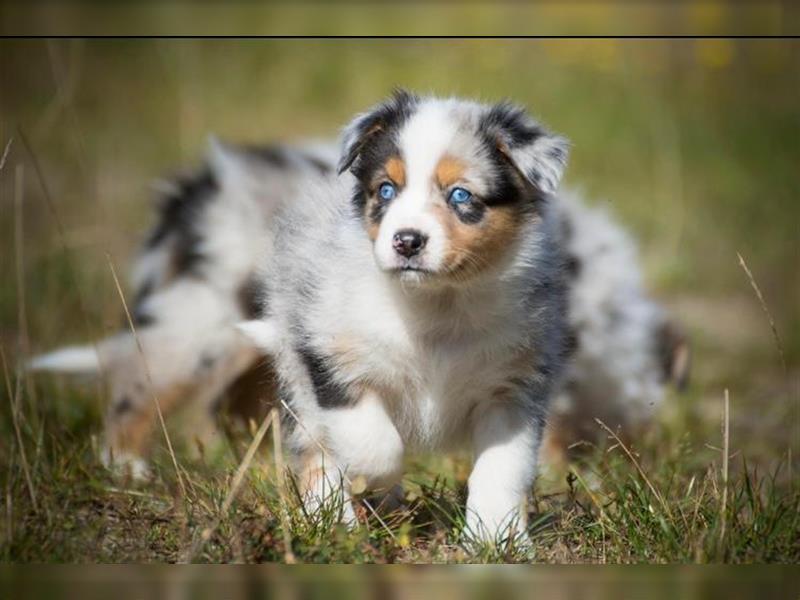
445, 187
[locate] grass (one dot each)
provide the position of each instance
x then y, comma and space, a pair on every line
693, 143
652, 505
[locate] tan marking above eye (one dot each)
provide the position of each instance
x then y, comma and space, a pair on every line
449, 170
396, 170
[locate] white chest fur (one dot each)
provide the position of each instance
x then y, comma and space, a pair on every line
431, 360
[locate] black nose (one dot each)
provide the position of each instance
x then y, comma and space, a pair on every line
408, 242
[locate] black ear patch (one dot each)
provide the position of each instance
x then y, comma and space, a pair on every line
385, 117
538, 155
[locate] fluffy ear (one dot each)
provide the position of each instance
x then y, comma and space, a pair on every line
228, 164
537, 154
382, 117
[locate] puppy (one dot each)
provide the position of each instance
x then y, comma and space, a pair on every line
419, 302
197, 275
193, 280
625, 350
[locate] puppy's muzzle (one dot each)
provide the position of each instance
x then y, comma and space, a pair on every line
409, 242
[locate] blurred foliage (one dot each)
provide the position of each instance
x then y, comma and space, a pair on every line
390, 17
694, 143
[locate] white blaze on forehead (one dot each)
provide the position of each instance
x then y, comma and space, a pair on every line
425, 139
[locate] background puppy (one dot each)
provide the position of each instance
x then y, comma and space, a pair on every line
193, 280
625, 350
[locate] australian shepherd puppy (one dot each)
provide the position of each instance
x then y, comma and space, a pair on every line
193, 280
435, 293
418, 301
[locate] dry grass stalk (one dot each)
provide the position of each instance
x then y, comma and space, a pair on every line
245, 464
5, 153
139, 347
725, 454
636, 464
22, 317
757, 290
280, 473
13, 399
236, 482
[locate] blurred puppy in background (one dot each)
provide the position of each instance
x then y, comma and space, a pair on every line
193, 280
199, 274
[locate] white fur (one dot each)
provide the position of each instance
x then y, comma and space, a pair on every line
435, 366
124, 464
423, 141
72, 359
505, 448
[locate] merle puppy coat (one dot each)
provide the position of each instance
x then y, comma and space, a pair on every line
417, 301
419, 290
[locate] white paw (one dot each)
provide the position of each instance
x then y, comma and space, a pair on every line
125, 465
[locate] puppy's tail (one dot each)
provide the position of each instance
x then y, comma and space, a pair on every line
675, 354
78, 360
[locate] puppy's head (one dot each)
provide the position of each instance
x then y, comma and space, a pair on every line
445, 187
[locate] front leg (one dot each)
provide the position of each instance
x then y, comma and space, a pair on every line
505, 441
362, 444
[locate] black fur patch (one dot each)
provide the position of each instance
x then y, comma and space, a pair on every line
672, 349
359, 198
508, 187
179, 220
573, 266
287, 158
273, 155
252, 298
329, 392
374, 155
140, 317
512, 123
319, 165
207, 361
470, 213
377, 211
570, 342
123, 406
379, 124
506, 126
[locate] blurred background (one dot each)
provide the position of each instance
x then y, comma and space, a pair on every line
693, 144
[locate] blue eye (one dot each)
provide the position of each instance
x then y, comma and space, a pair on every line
460, 196
387, 191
